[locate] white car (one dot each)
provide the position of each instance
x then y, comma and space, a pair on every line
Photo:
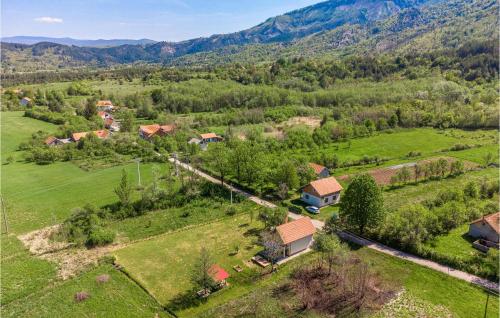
312, 209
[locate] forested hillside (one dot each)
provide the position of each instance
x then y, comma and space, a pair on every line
331, 28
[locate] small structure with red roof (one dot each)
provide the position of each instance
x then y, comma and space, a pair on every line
296, 236
210, 137
321, 171
219, 275
101, 134
322, 192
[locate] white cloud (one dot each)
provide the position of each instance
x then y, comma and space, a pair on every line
49, 20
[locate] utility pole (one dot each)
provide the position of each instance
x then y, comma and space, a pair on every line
231, 189
4, 213
138, 160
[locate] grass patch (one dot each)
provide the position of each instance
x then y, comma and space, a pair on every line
456, 243
118, 297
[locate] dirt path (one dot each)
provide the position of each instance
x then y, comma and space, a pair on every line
356, 239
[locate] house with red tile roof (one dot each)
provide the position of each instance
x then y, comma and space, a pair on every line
210, 137
105, 105
321, 171
149, 131
54, 141
322, 192
296, 236
486, 228
101, 134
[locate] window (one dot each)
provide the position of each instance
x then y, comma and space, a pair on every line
326, 199
307, 196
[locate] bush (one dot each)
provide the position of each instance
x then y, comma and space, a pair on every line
100, 236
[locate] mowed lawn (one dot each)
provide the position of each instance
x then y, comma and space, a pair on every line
456, 243
163, 265
119, 297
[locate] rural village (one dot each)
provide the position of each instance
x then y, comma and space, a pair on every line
258, 180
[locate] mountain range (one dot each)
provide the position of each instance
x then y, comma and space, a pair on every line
330, 28
30, 40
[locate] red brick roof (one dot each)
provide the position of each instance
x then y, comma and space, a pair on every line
296, 230
99, 133
217, 273
316, 167
151, 130
323, 187
493, 220
104, 103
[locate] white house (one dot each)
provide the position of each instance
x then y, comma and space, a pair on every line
296, 236
486, 228
210, 137
321, 171
322, 192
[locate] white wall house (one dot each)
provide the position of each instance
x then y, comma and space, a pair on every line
486, 228
296, 236
322, 192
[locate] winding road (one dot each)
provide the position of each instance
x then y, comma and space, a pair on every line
484, 283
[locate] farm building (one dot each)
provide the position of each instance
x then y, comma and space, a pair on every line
25, 101
101, 134
321, 171
296, 235
53, 141
210, 137
149, 131
322, 192
486, 228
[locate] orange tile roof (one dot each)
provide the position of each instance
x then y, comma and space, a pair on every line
492, 220
99, 133
149, 130
295, 230
208, 135
316, 167
217, 273
50, 140
167, 128
323, 187
104, 103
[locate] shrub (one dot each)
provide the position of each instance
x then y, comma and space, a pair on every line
81, 296
100, 236
104, 278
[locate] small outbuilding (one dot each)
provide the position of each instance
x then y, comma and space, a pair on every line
322, 192
25, 101
219, 275
486, 228
321, 171
296, 236
210, 137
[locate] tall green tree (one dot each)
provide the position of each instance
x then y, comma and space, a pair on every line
200, 277
362, 204
218, 159
124, 190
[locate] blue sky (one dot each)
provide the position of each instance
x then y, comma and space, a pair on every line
169, 20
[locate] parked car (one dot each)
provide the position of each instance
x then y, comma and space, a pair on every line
312, 209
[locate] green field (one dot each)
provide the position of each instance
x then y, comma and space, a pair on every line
170, 258
119, 297
456, 242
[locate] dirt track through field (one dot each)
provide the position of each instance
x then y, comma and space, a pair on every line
484, 283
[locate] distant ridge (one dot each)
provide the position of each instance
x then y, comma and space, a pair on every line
30, 40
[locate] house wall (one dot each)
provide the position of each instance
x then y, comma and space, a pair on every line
320, 202
480, 230
299, 245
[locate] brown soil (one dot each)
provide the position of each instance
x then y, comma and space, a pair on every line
383, 176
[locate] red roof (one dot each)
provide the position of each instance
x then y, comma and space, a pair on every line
151, 130
295, 230
217, 273
208, 136
493, 220
99, 133
316, 167
323, 187
104, 103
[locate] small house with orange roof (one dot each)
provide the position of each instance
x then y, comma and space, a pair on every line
210, 137
322, 192
149, 131
296, 236
54, 141
486, 228
321, 171
101, 134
